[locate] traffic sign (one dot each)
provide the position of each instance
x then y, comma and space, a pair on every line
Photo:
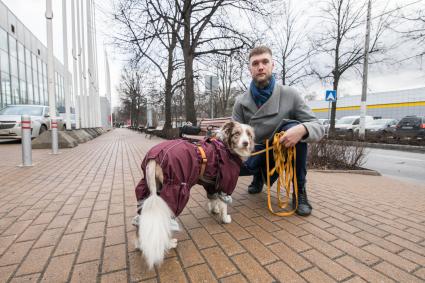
330, 95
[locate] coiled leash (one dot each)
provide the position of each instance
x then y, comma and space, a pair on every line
284, 159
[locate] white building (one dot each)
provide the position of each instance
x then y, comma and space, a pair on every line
389, 104
23, 65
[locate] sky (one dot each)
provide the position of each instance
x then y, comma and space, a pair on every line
31, 13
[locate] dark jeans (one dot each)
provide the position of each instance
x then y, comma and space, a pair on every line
256, 165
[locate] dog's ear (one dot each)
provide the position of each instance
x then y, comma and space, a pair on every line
226, 132
228, 128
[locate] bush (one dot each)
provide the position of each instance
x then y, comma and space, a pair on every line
332, 154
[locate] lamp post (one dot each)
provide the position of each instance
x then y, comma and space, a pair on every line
362, 130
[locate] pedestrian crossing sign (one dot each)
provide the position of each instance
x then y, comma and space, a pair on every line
331, 95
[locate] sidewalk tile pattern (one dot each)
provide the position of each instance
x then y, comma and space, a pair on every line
68, 219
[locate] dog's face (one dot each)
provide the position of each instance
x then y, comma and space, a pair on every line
238, 137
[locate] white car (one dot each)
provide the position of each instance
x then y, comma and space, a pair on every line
10, 120
346, 125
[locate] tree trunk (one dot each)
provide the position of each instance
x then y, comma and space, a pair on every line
168, 82
189, 97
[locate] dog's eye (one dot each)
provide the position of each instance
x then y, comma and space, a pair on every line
237, 134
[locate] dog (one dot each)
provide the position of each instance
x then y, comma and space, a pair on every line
171, 168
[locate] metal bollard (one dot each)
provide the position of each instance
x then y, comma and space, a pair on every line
54, 128
26, 140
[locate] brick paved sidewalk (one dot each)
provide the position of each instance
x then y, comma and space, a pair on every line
67, 219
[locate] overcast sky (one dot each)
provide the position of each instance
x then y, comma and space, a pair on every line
31, 13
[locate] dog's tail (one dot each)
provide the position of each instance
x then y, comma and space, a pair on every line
154, 224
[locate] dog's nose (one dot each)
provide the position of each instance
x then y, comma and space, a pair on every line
245, 143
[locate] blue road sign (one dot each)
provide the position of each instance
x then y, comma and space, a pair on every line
330, 95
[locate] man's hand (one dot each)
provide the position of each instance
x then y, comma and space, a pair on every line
293, 135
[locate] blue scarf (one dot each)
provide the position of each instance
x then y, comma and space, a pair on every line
261, 95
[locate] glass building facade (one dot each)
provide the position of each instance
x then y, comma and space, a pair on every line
23, 65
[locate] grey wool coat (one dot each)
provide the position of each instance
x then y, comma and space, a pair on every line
284, 104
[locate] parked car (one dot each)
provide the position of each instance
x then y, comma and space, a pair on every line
378, 129
411, 127
10, 120
346, 125
73, 121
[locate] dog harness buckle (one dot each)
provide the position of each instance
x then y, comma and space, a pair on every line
204, 161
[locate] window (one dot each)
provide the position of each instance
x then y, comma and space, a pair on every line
35, 79
12, 47
15, 90
3, 39
22, 71
40, 81
4, 61
23, 89
21, 52
5, 88
45, 83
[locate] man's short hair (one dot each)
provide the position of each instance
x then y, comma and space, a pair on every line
259, 50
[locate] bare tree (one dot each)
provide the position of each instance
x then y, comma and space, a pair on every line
415, 31
342, 40
290, 44
132, 97
207, 29
149, 32
228, 70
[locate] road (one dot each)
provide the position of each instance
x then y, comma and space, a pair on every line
406, 166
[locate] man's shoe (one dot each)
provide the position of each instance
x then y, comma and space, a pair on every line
256, 184
304, 207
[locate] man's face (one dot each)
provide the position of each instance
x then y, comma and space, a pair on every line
261, 67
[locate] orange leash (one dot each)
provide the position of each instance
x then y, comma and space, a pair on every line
284, 159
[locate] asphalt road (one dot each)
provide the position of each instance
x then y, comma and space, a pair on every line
406, 166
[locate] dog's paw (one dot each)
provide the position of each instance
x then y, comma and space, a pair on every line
173, 243
227, 219
213, 208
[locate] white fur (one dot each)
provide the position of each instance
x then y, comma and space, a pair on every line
217, 206
154, 224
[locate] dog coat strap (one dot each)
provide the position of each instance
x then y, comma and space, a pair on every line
204, 161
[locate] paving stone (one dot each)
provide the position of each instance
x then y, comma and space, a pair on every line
35, 261
59, 269
71, 222
283, 273
251, 268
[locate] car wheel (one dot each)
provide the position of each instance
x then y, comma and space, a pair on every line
43, 128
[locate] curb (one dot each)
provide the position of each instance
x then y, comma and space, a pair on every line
357, 171
402, 147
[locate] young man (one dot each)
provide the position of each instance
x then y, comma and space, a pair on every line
270, 107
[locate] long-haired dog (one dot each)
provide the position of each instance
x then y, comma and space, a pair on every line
171, 168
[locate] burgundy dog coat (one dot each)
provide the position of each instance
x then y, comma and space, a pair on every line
181, 161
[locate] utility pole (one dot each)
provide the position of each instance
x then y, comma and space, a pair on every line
74, 68
65, 64
90, 62
108, 85
84, 101
51, 74
362, 130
